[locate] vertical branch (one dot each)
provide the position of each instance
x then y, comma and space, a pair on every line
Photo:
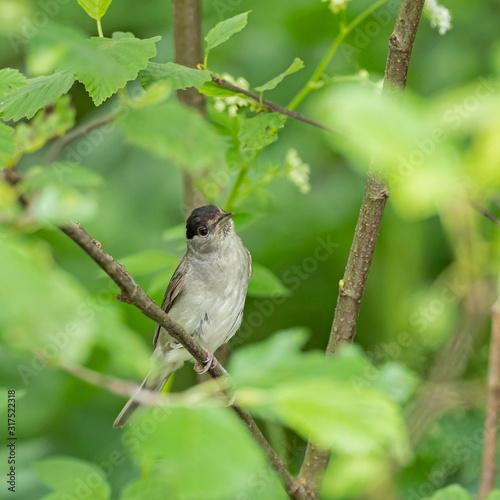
188, 52
366, 233
489, 467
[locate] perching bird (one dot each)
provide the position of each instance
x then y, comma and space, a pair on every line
206, 295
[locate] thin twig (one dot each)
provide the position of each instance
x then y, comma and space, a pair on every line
270, 105
201, 394
77, 133
320, 69
486, 213
366, 233
489, 467
133, 294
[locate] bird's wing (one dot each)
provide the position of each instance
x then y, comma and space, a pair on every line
174, 289
250, 267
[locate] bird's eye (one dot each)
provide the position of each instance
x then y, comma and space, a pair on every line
202, 231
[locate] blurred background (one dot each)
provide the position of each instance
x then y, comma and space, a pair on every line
432, 282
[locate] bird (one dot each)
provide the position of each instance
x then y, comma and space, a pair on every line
206, 295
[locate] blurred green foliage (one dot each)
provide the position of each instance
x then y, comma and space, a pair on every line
433, 276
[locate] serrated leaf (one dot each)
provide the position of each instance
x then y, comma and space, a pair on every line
103, 65
36, 94
260, 131
95, 8
71, 476
7, 143
224, 30
128, 56
10, 80
178, 76
175, 132
265, 283
452, 492
297, 65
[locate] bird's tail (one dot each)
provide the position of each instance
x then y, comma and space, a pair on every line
150, 383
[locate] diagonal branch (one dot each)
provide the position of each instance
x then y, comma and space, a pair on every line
133, 294
271, 106
352, 286
77, 133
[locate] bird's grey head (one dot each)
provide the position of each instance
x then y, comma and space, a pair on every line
208, 228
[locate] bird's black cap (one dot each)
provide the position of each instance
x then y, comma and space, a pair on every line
199, 217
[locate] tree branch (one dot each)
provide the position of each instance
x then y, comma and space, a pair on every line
77, 133
489, 467
270, 105
360, 257
188, 52
133, 294
144, 396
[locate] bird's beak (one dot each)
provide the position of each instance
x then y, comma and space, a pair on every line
224, 216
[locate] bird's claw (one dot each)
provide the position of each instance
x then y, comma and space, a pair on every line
203, 368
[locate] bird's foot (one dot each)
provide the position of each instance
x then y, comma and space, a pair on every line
203, 368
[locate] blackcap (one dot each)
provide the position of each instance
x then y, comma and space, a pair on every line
206, 295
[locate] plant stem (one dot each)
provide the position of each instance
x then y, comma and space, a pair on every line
344, 31
370, 217
489, 468
236, 187
99, 29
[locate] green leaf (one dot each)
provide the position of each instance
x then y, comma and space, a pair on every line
271, 358
297, 65
10, 80
103, 65
36, 94
72, 476
265, 283
260, 131
178, 76
148, 488
202, 453
7, 143
453, 492
353, 476
211, 89
95, 8
47, 124
319, 397
175, 132
335, 417
226, 29
127, 54
494, 495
